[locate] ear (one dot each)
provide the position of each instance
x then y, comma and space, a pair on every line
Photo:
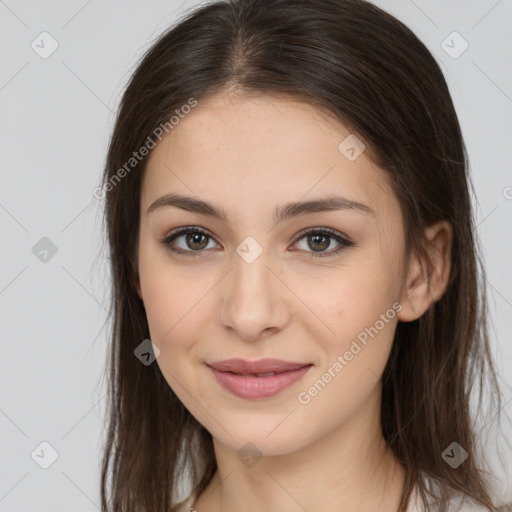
427, 278
136, 275
136, 282
139, 289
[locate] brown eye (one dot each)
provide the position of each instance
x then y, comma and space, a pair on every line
319, 240
196, 241
190, 241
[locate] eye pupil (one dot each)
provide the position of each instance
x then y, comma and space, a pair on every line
317, 239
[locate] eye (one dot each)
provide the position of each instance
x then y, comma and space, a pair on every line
319, 239
194, 240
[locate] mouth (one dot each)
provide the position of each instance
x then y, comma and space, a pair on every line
257, 379
261, 367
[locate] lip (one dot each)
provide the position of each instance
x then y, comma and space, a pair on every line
240, 377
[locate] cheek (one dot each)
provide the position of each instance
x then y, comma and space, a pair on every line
171, 313
172, 310
353, 300
165, 297
364, 317
362, 310
177, 304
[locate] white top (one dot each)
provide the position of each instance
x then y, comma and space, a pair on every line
459, 504
415, 505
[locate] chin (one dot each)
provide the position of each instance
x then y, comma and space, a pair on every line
261, 441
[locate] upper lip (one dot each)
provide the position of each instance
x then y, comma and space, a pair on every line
261, 366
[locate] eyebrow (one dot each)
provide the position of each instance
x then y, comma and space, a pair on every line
284, 212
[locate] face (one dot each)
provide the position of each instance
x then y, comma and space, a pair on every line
318, 285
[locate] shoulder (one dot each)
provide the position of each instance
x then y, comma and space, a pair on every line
455, 505
458, 503
185, 506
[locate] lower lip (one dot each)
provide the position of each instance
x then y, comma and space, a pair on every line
250, 386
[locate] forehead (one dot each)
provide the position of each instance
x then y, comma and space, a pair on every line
255, 152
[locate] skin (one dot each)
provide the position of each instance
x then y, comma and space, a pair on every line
248, 155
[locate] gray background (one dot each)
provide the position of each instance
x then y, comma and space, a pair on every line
56, 117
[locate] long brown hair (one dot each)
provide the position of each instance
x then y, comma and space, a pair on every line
368, 70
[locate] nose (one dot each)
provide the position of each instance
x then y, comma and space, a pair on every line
254, 301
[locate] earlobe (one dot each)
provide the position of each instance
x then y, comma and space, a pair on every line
416, 297
138, 288
429, 276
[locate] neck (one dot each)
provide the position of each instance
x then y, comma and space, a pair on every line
350, 468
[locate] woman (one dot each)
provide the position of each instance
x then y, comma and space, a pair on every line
289, 221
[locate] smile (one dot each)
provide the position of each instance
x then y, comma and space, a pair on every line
267, 378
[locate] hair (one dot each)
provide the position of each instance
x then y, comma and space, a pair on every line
367, 70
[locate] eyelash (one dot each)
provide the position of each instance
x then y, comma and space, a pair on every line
317, 231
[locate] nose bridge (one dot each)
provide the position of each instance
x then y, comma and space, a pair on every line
252, 302
251, 275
